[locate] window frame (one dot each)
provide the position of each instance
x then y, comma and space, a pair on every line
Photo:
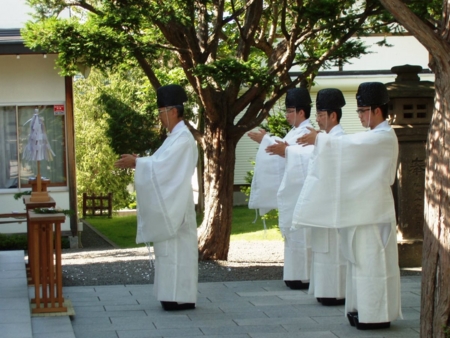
56, 186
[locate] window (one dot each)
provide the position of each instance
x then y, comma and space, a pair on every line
14, 131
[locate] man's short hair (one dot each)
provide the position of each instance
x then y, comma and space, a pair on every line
384, 109
307, 111
180, 110
338, 113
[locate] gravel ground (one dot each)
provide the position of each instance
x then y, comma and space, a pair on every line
100, 263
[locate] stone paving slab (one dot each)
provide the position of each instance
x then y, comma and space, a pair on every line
260, 309
250, 309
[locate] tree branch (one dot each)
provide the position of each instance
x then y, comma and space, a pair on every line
426, 36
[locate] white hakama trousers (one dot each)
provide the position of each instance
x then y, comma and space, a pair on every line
176, 265
297, 255
329, 266
373, 275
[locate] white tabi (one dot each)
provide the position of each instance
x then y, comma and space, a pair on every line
297, 242
349, 188
329, 266
166, 215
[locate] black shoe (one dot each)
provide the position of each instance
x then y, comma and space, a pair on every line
351, 317
371, 326
332, 301
319, 300
296, 284
174, 306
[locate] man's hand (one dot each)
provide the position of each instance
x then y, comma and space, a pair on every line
257, 136
308, 139
126, 161
279, 148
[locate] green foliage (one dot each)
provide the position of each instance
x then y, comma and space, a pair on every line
20, 242
277, 125
77, 43
19, 195
94, 156
228, 69
13, 242
129, 131
66, 212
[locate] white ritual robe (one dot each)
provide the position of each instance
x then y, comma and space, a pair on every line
166, 215
328, 266
350, 189
269, 177
269, 170
297, 242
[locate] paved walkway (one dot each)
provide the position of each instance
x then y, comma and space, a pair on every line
262, 309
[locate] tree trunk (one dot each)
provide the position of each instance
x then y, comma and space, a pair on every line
214, 233
435, 308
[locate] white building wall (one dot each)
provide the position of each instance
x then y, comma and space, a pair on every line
31, 79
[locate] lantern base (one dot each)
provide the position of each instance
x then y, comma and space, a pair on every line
41, 196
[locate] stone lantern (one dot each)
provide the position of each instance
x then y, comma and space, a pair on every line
410, 110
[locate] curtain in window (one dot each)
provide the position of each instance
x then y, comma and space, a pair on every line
8, 148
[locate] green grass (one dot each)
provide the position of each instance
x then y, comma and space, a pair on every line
122, 229
243, 228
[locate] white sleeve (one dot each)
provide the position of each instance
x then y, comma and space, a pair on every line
164, 190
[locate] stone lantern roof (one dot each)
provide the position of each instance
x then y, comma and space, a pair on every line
408, 84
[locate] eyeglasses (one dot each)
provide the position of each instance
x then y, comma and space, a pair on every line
290, 111
362, 110
164, 109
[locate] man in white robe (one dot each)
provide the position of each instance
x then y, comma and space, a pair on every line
166, 214
352, 180
269, 192
329, 267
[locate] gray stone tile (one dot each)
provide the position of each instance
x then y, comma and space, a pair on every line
330, 320
384, 333
287, 293
13, 282
160, 324
88, 309
90, 321
13, 330
125, 314
229, 315
68, 334
302, 321
126, 307
13, 273
318, 334
14, 316
51, 324
250, 329
13, 292
22, 304
96, 334
190, 332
